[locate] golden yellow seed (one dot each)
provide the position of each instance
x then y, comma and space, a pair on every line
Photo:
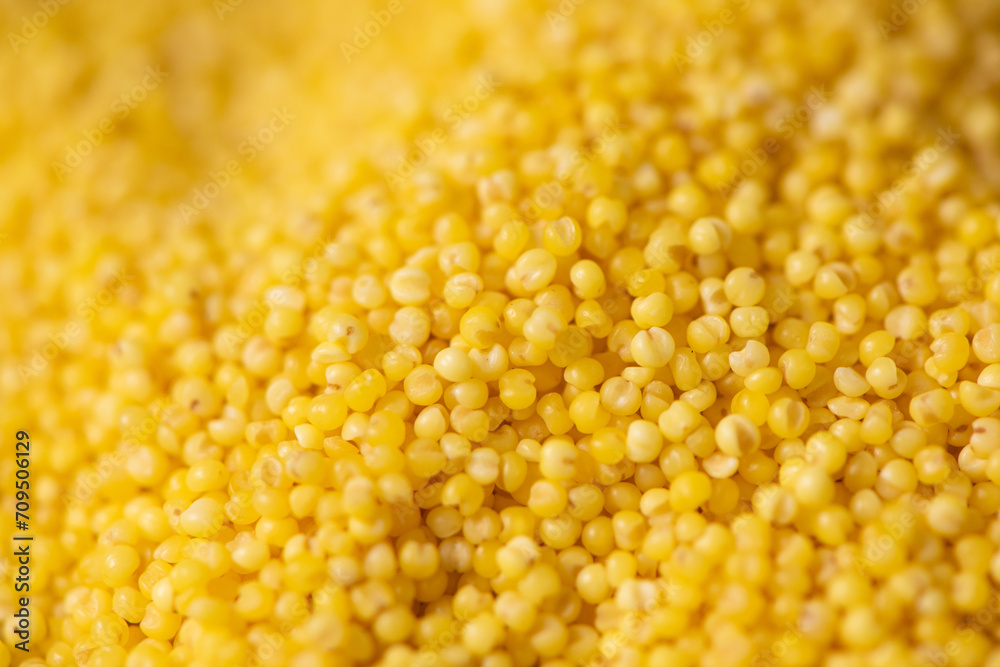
977, 400
422, 386
850, 383
833, 280
562, 237
543, 327
517, 389
557, 459
547, 498
813, 487
679, 421
798, 368
652, 348
706, 332
709, 235
737, 435
605, 211
654, 310
749, 321
801, 266
932, 407
689, 490
533, 270
788, 418
620, 397
744, 287
764, 380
